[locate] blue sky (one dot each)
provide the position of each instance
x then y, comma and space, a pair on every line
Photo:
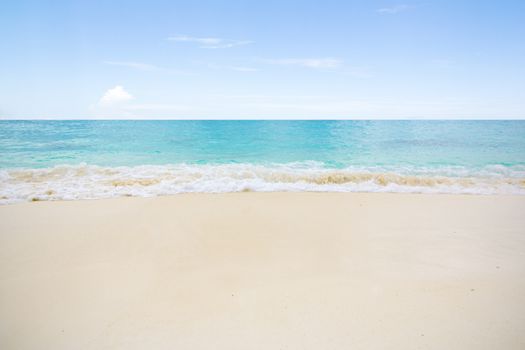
262, 59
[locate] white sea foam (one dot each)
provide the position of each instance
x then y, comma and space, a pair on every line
90, 182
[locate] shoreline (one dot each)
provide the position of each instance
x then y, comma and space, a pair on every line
296, 270
248, 191
197, 194
85, 181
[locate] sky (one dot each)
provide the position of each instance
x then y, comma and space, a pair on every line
222, 59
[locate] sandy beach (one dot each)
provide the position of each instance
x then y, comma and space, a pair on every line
264, 271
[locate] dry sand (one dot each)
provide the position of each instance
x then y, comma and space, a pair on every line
264, 271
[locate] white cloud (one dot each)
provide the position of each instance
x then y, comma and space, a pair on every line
134, 65
210, 42
115, 105
114, 96
393, 9
317, 63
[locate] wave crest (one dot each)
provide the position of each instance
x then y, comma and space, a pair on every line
89, 182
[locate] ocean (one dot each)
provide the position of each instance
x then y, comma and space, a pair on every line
88, 159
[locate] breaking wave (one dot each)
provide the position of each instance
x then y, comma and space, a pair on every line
89, 181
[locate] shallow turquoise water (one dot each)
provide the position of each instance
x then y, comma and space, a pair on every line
35, 144
291, 149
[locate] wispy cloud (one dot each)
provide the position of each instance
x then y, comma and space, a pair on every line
227, 67
244, 69
393, 9
210, 42
316, 63
134, 65
157, 107
145, 67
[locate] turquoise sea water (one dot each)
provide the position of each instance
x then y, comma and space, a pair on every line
93, 159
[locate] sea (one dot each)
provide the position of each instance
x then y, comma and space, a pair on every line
91, 159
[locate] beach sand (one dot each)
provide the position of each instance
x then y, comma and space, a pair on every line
264, 271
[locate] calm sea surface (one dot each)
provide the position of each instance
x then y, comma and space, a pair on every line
42, 160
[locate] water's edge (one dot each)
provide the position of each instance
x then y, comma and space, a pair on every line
92, 182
